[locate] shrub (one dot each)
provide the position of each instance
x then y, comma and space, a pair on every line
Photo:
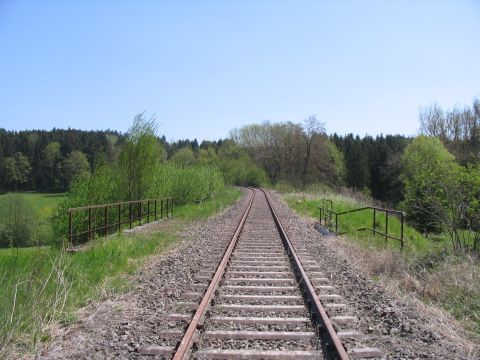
17, 223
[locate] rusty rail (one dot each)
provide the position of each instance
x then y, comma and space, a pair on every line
329, 219
86, 222
318, 311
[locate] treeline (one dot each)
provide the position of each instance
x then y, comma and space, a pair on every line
303, 154
48, 161
299, 154
42, 160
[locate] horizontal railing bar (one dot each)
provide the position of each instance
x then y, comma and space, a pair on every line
115, 204
383, 234
360, 209
370, 229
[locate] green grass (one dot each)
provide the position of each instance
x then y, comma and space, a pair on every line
44, 284
40, 207
349, 223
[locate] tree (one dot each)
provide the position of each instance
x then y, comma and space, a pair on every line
313, 129
356, 161
441, 195
53, 166
17, 170
183, 157
17, 223
139, 157
76, 164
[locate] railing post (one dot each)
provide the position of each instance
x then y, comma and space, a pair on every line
130, 206
386, 227
89, 223
401, 230
171, 211
167, 210
106, 220
155, 210
374, 221
326, 214
330, 202
161, 208
148, 211
336, 224
140, 213
70, 230
119, 217
320, 218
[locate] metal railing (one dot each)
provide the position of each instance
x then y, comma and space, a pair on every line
86, 222
330, 220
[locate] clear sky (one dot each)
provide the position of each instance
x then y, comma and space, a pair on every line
205, 67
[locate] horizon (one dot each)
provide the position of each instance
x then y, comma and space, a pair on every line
365, 68
160, 135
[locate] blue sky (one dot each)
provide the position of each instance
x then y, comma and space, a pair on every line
206, 67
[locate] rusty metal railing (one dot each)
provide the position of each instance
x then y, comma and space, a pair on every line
330, 220
86, 222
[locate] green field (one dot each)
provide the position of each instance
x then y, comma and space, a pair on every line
40, 285
36, 210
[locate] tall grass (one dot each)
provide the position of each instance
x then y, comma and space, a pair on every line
43, 285
34, 290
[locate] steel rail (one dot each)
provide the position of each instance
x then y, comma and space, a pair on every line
319, 310
185, 345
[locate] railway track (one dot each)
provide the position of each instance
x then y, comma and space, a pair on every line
260, 296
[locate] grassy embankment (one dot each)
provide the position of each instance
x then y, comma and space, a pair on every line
44, 284
427, 268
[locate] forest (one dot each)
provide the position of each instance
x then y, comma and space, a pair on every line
47, 161
434, 176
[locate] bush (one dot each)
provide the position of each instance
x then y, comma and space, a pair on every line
18, 223
185, 184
